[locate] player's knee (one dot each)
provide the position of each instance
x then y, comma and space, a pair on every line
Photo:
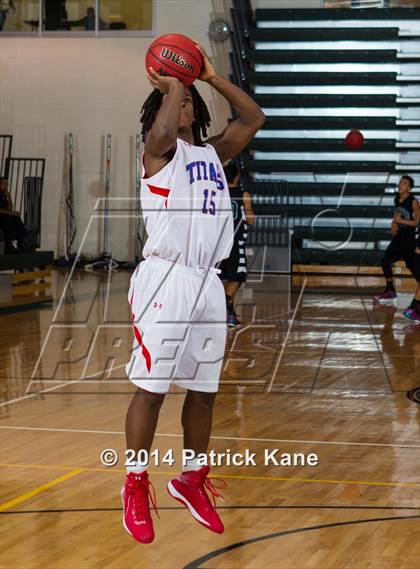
151, 400
204, 400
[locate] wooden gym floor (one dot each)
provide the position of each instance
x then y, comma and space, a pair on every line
316, 368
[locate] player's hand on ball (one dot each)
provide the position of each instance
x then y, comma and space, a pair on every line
208, 71
161, 82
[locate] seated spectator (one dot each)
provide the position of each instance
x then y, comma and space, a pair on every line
88, 22
11, 225
5, 6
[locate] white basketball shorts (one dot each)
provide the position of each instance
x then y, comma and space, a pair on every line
179, 325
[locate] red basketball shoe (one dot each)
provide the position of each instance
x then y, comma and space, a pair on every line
136, 511
189, 488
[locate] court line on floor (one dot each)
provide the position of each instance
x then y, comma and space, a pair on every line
219, 507
222, 475
379, 352
321, 361
39, 489
31, 395
216, 437
280, 390
198, 563
289, 328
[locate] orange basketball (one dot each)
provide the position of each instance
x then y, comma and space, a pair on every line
175, 55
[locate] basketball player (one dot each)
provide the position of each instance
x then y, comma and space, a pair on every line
176, 297
413, 311
403, 231
234, 268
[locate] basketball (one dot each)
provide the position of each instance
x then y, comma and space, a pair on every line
354, 140
175, 55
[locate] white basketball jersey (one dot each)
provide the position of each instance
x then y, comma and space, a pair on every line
187, 209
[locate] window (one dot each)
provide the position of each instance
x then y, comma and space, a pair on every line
126, 14
76, 17
19, 15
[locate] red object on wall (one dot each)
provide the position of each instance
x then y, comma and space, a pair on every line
355, 140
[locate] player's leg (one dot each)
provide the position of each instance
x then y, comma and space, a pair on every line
140, 427
413, 311
228, 269
197, 418
236, 275
199, 373
231, 288
392, 254
190, 486
151, 371
141, 420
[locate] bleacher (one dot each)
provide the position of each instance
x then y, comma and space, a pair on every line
24, 277
318, 74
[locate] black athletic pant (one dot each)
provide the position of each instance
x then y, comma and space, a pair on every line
401, 247
417, 263
12, 228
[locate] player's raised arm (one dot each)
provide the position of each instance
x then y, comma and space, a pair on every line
163, 134
241, 131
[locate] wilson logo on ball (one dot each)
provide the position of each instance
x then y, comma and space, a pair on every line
177, 58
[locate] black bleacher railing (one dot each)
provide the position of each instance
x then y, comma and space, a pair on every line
268, 240
26, 181
6, 142
314, 87
238, 57
32, 204
270, 202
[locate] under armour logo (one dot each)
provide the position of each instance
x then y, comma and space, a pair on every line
157, 305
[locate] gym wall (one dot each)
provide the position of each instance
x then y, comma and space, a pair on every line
91, 87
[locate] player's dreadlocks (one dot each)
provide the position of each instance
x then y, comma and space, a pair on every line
201, 114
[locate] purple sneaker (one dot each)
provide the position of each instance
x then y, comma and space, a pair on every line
408, 313
412, 314
232, 320
386, 296
416, 317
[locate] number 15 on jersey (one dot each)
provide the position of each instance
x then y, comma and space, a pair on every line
209, 205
